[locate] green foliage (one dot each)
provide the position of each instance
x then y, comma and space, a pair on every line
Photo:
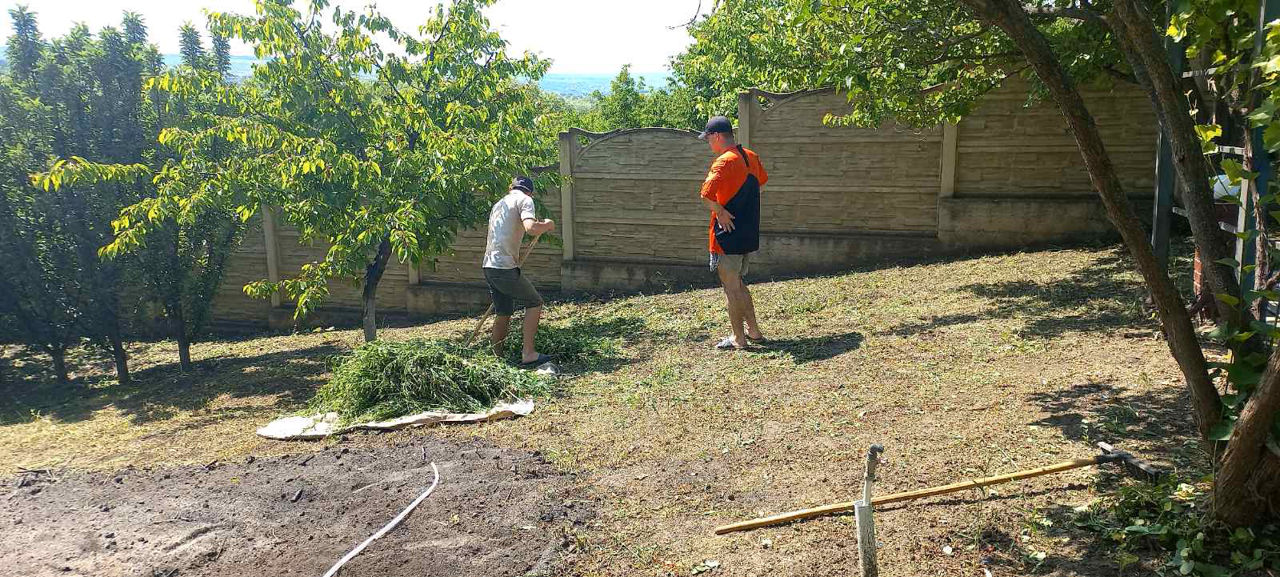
33, 236
630, 103
584, 340
24, 46
1172, 517
382, 380
375, 148
78, 95
1223, 36
918, 62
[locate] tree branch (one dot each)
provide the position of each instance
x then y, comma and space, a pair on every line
1121, 76
1070, 13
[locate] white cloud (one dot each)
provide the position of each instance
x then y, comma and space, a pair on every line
581, 36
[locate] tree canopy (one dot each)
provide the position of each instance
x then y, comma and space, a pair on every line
371, 139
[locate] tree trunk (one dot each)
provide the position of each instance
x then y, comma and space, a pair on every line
184, 343
184, 352
1133, 27
1247, 486
372, 276
1183, 344
121, 356
59, 355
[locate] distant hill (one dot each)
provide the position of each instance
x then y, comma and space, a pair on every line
567, 85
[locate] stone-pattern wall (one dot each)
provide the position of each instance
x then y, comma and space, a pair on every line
1007, 176
1007, 149
636, 197
843, 179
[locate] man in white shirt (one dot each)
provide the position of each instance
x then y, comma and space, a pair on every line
509, 220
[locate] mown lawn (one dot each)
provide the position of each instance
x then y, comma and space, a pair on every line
970, 367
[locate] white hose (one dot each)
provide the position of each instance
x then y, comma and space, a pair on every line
389, 526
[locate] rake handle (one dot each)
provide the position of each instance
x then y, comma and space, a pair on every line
909, 495
489, 311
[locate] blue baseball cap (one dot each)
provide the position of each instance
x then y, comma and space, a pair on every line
717, 124
522, 182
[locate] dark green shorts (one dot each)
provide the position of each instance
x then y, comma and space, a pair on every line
508, 286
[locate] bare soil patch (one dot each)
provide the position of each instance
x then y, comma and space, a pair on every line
495, 512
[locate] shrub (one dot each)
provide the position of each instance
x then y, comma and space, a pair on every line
1172, 517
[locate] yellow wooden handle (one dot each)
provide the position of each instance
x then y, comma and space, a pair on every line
905, 496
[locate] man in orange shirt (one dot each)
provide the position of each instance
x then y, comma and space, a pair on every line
732, 192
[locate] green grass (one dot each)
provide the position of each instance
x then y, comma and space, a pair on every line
965, 367
386, 379
587, 341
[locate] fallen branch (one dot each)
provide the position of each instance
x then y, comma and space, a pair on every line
389, 526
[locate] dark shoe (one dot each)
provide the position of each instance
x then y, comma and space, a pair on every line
537, 362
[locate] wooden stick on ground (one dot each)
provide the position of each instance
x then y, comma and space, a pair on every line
489, 311
909, 495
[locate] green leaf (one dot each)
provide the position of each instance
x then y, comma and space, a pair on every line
1211, 570
1231, 262
1221, 333
1226, 298
1207, 134
1222, 430
1271, 136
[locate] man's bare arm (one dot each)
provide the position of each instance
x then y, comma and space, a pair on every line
538, 227
722, 216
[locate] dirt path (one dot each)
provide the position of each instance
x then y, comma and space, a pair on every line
496, 512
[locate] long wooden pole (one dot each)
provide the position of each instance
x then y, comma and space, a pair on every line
909, 495
489, 310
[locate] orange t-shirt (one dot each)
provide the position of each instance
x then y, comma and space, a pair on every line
727, 175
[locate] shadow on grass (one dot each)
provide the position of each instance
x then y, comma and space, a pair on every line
810, 349
1007, 554
1157, 419
162, 391
1097, 298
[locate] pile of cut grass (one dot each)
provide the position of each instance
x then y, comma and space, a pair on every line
383, 380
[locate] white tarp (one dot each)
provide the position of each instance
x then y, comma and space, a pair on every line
321, 426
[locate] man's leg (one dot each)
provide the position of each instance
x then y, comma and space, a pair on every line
501, 325
749, 314
531, 317
733, 295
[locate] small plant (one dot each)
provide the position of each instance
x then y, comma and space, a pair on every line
1171, 517
382, 379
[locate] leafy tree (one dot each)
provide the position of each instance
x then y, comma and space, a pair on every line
185, 258
84, 94
38, 270
24, 46
221, 54
631, 103
190, 47
928, 61
372, 151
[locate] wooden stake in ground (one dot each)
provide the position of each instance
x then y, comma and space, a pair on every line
863, 514
489, 310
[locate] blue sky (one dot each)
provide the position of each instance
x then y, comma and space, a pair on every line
582, 36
